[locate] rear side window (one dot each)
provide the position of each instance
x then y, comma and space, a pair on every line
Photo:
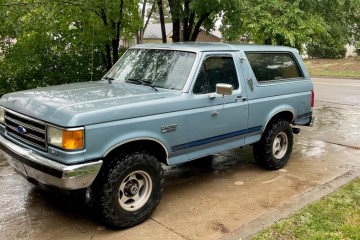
274, 66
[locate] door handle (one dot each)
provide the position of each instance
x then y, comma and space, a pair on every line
241, 98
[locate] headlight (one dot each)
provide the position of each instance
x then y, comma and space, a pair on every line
2, 115
68, 139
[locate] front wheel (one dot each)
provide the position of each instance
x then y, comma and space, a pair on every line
275, 146
130, 189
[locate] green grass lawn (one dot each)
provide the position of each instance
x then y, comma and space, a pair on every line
336, 216
339, 68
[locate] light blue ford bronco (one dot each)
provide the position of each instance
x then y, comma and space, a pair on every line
159, 104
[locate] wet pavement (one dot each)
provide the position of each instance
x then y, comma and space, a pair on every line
231, 198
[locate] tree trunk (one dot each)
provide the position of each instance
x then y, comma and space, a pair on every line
268, 41
176, 31
186, 21
115, 50
108, 56
191, 24
116, 41
198, 25
140, 32
162, 20
175, 10
147, 21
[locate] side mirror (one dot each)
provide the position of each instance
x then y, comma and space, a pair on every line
224, 89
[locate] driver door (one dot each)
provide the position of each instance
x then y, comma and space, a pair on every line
217, 122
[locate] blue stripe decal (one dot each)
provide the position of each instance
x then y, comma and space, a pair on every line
179, 147
214, 139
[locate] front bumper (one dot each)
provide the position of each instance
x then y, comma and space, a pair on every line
46, 171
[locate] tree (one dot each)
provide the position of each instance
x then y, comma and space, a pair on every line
162, 20
61, 41
192, 15
276, 22
144, 23
155, 17
341, 21
117, 18
322, 25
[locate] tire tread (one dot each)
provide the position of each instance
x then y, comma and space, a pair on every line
110, 177
262, 150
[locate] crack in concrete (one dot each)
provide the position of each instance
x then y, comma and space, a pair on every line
335, 143
344, 104
169, 228
343, 145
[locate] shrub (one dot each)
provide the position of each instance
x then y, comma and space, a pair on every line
320, 50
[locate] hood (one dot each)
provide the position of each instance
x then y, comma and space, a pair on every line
59, 104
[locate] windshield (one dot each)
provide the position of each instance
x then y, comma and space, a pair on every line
158, 68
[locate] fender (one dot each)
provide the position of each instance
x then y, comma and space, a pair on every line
276, 111
139, 139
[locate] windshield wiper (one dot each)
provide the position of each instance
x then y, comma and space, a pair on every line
110, 79
142, 82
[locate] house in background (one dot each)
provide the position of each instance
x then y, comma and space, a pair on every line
152, 34
350, 51
213, 36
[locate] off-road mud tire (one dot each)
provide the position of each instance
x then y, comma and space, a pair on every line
277, 132
106, 191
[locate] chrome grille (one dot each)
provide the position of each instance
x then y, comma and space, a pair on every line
26, 129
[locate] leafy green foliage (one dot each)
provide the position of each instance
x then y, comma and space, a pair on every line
325, 25
273, 22
48, 62
341, 24
329, 49
54, 42
58, 41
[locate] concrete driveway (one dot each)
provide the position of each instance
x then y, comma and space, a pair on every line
231, 199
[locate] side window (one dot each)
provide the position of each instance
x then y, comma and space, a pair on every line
274, 66
216, 69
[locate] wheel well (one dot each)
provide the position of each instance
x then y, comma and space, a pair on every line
148, 146
285, 115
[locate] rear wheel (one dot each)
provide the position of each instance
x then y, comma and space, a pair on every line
275, 146
129, 189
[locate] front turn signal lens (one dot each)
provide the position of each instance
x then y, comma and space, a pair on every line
73, 140
66, 138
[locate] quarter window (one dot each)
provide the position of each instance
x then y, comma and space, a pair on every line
219, 69
274, 66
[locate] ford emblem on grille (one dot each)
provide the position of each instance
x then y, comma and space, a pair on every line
21, 130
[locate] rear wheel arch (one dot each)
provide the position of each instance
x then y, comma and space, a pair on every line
286, 115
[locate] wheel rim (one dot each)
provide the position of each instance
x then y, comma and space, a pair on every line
135, 190
280, 145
